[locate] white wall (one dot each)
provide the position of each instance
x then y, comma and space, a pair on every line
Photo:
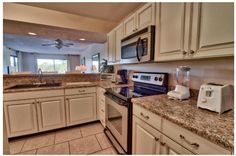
202, 71
91, 50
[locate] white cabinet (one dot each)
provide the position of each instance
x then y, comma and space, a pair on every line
111, 47
146, 140
118, 36
21, 117
80, 108
114, 44
101, 106
194, 30
213, 30
170, 31
130, 25
166, 137
169, 147
142, 18
51, 113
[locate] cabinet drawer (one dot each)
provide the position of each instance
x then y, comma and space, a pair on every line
147, 116
191, 141
80, 90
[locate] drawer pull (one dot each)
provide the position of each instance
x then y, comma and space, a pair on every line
81, 91
163, 144
156, 139
102, 110
145, 116
184, 52
195, 145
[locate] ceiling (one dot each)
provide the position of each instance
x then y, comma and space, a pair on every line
22, 28
114, 12
34, 45
16, 37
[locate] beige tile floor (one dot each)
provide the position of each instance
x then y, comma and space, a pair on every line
84, 139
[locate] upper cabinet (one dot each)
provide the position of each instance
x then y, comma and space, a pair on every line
170, 30
213, 30
141, 18
118, 36
114, 44
194, 30
111, 47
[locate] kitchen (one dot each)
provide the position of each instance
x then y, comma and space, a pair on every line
173, 68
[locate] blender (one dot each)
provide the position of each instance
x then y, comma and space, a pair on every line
181, 91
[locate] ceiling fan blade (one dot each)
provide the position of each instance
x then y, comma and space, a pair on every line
68, 44
48, 44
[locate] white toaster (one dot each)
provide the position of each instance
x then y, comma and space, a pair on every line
216, 97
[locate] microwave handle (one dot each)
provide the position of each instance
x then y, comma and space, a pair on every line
137, 45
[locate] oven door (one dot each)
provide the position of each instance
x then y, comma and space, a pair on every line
117, 121
137, 49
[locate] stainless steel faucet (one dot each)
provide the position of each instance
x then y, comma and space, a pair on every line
40, 75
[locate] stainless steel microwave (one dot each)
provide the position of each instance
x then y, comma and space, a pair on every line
139, 46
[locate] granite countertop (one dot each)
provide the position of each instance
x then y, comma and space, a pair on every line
209, 125
103, 84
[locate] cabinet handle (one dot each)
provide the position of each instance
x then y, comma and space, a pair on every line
156, 139
191, 52
133, 30
163, 144
195, 145
102, 110
184, 52
81, 91
145, 116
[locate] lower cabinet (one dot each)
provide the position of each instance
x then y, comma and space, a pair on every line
149, 141
101, 105
146, 140
21, 117
51, 113
80, 108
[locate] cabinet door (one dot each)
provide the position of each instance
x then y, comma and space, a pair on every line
145, 138
130, 25
213, 30
146, 16
118, 37
81, 108
51, 113
20, 117
111, 47
169, 147
170, 31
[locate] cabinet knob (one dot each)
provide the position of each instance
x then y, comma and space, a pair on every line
191, 52
145, 116
184, 52
156, 139
195, 145
163, 144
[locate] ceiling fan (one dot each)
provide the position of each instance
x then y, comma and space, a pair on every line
58, 43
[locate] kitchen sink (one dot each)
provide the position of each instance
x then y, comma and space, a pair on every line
35, 85
78, 83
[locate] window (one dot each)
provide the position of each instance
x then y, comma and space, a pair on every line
52, 65
14, 63
96, 62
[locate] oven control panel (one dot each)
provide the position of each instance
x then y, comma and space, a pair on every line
150, 78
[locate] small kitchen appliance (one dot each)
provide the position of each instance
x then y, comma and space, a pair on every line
119, 108
122, 76
216, 97
181, 91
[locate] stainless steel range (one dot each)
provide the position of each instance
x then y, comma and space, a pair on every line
119, 107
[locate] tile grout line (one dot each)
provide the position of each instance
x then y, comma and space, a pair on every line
23, 145
98, 141
69, 148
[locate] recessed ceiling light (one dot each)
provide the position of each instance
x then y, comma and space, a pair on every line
82, 39
31, 33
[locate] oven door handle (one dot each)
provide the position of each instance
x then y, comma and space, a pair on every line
137, 46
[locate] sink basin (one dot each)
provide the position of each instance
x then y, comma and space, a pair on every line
36, 85
78, 83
